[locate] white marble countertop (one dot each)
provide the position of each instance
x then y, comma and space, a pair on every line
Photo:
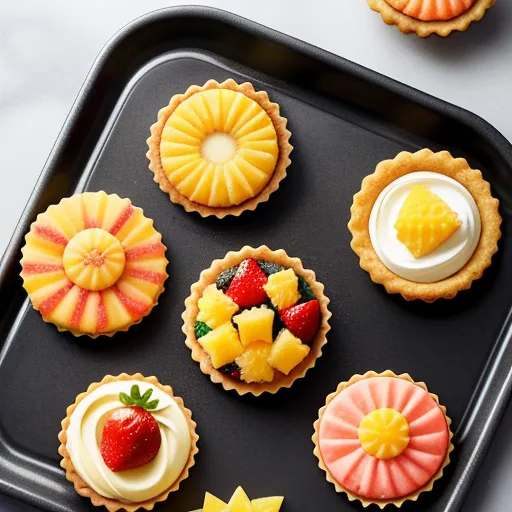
46, 49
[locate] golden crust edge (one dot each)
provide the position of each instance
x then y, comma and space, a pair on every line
408, 24
109, 334
209, 276
330, 478
404, 163
283, 161
87, 492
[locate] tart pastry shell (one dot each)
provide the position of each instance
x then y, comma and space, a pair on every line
408, 24
283, 160
442, 163
209, 276
329, 477
87, 492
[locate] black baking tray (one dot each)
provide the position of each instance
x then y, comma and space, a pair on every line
344, 120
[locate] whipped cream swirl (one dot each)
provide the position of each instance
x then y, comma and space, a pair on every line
451, 255
134, 485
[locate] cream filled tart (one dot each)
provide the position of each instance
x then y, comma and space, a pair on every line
127, 442
425, 225
256, 320
219, 149
382, 438
93, 264
426, 17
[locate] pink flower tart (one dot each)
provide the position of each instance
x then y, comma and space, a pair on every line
93, 264
382, 438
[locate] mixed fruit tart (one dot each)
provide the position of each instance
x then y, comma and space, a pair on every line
219, 149
382, 438
127, 442
426, 17
240, 502
425, 225
93, 264
256, 320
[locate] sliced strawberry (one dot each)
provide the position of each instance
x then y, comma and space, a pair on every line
302, 320
246, 288
131, 437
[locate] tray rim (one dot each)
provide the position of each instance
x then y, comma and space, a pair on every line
498, 386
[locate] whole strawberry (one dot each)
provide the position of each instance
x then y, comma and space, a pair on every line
131, 437
246, 288
302, 320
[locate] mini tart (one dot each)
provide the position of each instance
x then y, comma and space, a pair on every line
384, 435
426, 17
219, 149
444, 164
281, 364
93, 264
81, 486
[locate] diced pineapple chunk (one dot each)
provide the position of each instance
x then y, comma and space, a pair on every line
215, 308
239, 502
222, 344
425, 221
287, 352
283, 288
270, 504
213, 504
255, 325
253, 363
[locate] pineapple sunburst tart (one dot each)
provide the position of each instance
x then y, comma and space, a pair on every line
426, 17
425, 225
382, 438
93, 264
240, 502
219, 149
256, 320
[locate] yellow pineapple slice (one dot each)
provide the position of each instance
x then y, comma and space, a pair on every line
215, 308
425, 221
255, 325
213, 504
219, 148
270, 504
222, 344
239, 502
287, 352
283, 288
253, 363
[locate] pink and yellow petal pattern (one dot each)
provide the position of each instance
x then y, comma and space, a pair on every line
93, 264
382, 438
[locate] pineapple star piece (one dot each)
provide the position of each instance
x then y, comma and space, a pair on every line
240, 502
425, 221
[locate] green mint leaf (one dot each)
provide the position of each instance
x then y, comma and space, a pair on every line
225, 278
269, 268
135, 393
147, 395
200, 329
306, 293
125, 399
151, 405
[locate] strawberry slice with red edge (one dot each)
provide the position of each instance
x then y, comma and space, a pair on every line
131, 437
302, 320
246, 288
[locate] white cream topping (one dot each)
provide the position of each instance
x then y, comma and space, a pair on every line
451, 255
218, 147
135, 485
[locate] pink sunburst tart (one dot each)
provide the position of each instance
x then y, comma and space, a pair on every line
93, 264
382, 438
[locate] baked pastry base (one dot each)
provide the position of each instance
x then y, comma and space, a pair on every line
283, 160
97, 499
209, 276
329, 477
443, 163
408, 24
